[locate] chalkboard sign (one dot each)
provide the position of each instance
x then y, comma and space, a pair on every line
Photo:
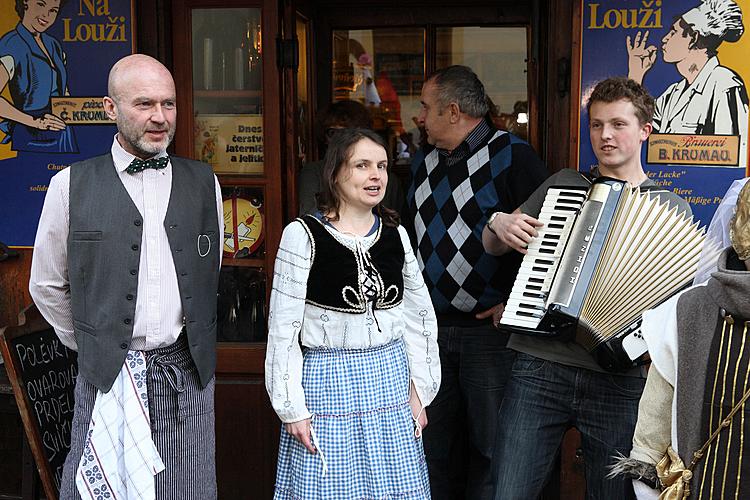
43, 373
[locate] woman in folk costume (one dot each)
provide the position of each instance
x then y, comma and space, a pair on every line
352, 355
693, 416
711, 98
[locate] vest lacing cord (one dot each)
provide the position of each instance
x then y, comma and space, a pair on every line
316, 443
174, 376
370, 280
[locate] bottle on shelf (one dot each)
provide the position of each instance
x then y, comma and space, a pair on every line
252, 54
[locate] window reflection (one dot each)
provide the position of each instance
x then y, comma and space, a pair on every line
498, 55
227, 89
384, 70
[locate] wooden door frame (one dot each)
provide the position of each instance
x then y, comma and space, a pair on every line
239, 358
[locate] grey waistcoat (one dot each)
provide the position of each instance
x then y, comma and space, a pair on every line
104, 254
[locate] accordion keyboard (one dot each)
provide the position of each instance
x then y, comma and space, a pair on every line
526, 305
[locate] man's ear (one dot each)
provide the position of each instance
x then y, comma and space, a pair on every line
646, 130
454, 112
110, 107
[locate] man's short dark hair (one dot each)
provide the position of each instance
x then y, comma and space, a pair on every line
618, 88
461, 85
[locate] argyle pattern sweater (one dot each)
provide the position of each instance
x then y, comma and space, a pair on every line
450, 201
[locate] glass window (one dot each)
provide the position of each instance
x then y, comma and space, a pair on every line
227, 89
498, 55
384, 70
303, 101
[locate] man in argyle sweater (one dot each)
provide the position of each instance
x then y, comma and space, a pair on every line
468, 171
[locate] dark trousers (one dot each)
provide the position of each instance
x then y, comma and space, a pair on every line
459, 437
542, 400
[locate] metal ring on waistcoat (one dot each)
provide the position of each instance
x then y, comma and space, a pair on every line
201, 254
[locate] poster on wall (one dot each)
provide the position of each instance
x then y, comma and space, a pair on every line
55, 56
691, 55
231, 144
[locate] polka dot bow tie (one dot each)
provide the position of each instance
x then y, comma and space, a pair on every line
140, 165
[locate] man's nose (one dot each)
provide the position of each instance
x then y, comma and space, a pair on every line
158, 114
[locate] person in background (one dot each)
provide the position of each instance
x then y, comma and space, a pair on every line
352, 356
468, 171
125, 268
337, 116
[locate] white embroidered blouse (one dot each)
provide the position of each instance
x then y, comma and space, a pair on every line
291, 321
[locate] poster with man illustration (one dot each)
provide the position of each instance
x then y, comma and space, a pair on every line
55, 56
692, 57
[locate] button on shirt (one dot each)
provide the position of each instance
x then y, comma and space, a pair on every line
158, 313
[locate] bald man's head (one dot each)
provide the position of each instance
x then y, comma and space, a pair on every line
142, 101
134, 66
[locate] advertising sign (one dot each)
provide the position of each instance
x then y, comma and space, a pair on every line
54, 64
691, 55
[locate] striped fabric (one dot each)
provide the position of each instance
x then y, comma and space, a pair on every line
119, 457
182, 427
363, 430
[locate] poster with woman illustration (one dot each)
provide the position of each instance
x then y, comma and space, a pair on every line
55, 56
692, 56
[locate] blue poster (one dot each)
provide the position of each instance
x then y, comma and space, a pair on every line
693, 58
55, 56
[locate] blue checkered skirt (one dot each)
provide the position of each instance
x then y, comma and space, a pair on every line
363, 427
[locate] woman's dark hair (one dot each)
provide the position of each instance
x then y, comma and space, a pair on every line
345, 113
340, 149
21, 6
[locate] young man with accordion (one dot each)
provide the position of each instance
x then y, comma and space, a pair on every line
599, 249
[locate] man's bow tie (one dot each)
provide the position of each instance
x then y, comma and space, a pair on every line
139, 165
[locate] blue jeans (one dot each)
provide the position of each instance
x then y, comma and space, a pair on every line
543, 399
459, 437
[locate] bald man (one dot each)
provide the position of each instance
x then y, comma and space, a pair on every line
125, 268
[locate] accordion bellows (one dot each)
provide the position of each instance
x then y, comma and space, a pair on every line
603, 257
650, 254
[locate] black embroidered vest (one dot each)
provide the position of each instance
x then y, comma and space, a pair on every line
346, 280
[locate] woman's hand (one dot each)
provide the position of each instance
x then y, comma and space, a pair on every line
301, 432
417, 411
48, 122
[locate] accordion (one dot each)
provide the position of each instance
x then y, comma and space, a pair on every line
605, 254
